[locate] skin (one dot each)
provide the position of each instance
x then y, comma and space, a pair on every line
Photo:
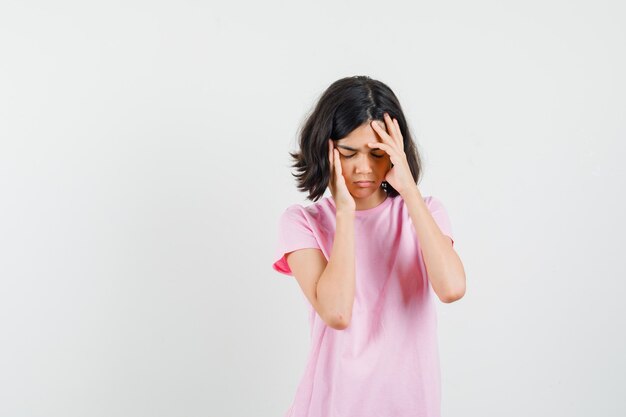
443, 265
352, 160
330, 286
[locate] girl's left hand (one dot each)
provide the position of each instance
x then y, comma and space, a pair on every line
399, 176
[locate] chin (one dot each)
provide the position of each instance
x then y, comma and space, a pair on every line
364, 192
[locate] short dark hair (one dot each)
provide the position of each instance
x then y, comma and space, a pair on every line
345, 105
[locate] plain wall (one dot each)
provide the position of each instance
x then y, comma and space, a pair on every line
144, 165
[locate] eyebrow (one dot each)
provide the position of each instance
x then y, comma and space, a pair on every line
354, 149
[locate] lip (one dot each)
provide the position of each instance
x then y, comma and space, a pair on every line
364, 183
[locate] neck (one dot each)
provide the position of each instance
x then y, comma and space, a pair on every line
372, 201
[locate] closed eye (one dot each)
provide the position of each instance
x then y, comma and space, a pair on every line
350, 156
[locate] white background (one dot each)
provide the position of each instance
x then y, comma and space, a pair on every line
144, 165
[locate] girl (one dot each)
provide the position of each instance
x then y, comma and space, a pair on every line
369, 259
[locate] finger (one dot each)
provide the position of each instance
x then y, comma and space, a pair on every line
391, 128
399, 132
381, 132
330, 153
330, 166
385, 147
337, 163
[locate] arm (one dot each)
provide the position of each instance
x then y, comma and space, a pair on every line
329, 287
445, 270
444, 267
335, 289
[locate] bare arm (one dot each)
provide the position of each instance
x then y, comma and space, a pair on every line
444, 267
336, 286
329, 286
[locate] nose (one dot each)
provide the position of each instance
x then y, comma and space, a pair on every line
362, 165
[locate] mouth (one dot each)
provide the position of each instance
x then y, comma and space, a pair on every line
364, 184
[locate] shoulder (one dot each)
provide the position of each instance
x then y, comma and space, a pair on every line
430, 199
433, 203
312, 213
323, 205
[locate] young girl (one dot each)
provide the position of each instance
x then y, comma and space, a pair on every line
370, 260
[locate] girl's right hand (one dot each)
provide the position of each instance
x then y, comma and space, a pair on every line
337, 183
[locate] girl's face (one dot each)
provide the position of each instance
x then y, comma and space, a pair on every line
362, 163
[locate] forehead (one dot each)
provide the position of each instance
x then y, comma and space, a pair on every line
361, 135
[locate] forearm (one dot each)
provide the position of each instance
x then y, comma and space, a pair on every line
336, 286
443, 265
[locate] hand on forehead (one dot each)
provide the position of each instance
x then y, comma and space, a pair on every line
382, 125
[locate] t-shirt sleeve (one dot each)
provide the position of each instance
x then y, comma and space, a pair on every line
439, 213
294, 232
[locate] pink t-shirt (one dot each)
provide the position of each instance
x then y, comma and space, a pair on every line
386, 362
